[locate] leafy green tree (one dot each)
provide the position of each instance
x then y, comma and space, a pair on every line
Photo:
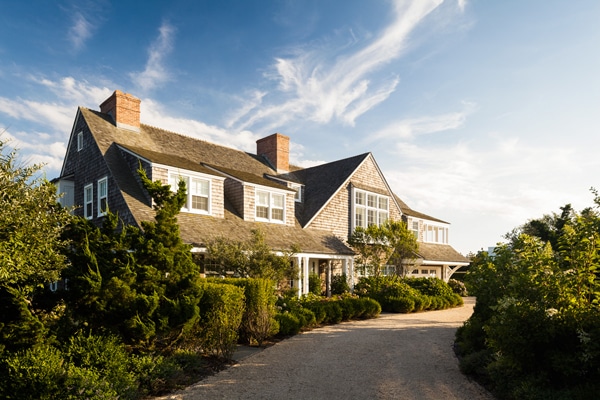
390, 243
251, 259
536, 325
31, 221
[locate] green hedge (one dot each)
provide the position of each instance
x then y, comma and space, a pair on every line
405, 295
221, 310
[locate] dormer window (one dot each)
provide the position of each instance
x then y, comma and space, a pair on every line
270, 206
198, 192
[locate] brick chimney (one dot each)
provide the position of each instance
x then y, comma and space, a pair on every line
124, 109
276, 149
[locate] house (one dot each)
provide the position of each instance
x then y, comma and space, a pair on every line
231, 192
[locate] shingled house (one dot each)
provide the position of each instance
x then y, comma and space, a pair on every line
231, 193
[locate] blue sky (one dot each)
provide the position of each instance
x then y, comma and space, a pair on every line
480, 113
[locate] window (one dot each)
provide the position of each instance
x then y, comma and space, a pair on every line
102, 196
415, 228
88, 201
298, 189
435, 234
270, 206
370, 208
198, 192
79, 141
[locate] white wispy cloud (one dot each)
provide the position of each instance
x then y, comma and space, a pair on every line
408, 128
156, 74
319, 85
81, 30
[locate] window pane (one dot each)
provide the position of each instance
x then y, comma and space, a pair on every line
371, 217
200, 203
360, 217
383, 216
383, 203
277, 214
103, 205
277, 200
360, 198
262, 198
262, 212
199, 187
371, 200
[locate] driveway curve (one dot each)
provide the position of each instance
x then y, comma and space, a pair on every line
395, 356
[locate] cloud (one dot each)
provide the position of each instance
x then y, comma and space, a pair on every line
155, 74
80, 31
153, 113
409, 128
321, 85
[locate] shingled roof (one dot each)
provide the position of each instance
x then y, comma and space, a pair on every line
168, 148
440, 253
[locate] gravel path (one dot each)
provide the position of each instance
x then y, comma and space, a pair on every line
395, 356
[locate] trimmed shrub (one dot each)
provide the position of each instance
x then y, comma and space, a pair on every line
339, 284
370, 306
221, 310
400, 304
289, 324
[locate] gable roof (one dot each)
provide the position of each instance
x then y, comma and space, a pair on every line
322, 182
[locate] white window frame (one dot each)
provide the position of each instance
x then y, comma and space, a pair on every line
101, 196
188, 177
298, 189
270, 205
88, 199
435, 233
369, 210
80, 141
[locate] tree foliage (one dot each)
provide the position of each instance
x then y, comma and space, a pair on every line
390, 243
31, 221
250, 259
31, 256
536, 324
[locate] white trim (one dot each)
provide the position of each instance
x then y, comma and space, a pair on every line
270, 206
87, 201
189, 177
79, 139
100, 197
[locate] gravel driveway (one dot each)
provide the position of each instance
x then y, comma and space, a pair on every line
395, 356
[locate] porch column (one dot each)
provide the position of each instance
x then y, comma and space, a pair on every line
300, 281
305, 261
350, 261
328, 278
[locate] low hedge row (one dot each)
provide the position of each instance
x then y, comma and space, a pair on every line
405, 295
310, 310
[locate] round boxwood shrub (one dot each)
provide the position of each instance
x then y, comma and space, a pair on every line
401, 304
289, 324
